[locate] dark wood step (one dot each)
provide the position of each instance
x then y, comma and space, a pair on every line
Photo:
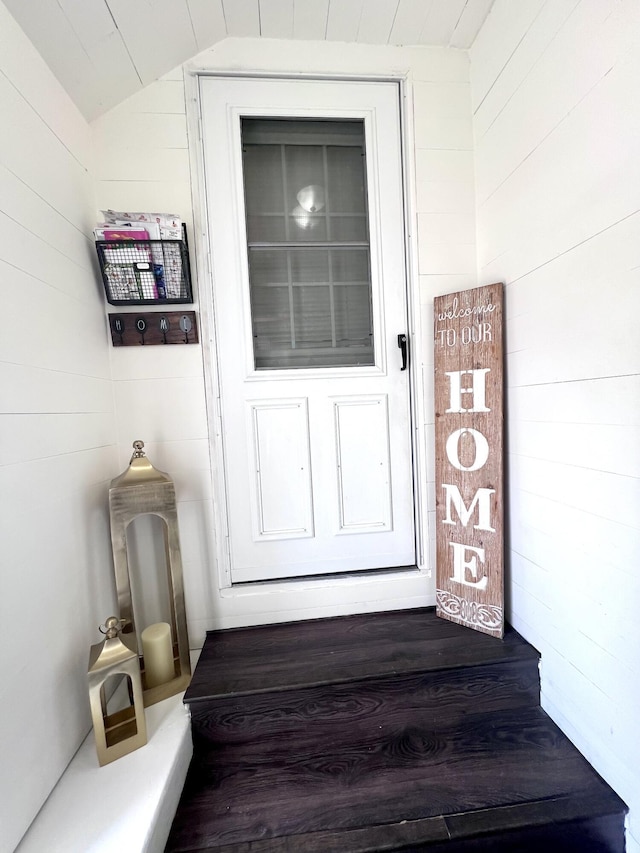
345, 649
295, 787
362, 670
544, 827
364, 708
385, 732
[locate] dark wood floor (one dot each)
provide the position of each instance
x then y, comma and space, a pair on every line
395, 731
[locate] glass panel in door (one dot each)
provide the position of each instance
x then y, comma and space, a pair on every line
308, 242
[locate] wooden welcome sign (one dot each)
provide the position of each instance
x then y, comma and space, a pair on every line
469, 466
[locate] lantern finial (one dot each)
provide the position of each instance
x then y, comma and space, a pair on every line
112, 627
138, 452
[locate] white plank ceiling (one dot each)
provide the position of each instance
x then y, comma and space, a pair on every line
102, 51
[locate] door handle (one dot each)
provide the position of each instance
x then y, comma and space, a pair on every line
403, 343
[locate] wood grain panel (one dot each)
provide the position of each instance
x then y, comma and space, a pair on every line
380, 760
469, 480
289, 785
251, 660
153, 328
562, 829
436, 698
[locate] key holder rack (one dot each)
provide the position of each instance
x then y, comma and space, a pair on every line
150, 328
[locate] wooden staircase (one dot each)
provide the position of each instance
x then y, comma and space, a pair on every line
382, 732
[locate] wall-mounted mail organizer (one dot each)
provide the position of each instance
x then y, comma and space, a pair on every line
147, 329
145, 272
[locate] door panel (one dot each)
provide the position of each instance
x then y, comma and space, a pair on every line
280, 432
363, 464
317, 450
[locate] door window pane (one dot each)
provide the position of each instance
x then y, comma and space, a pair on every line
308, 242
263, 187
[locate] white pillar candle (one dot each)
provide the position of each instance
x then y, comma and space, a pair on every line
157, 651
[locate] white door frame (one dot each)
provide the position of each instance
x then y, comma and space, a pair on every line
208, 325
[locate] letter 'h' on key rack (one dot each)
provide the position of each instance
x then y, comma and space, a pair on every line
171, 327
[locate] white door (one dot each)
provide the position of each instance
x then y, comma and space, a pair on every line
305, 217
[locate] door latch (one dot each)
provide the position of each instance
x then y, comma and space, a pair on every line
403, 344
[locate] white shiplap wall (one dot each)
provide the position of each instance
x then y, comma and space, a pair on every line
105, 50
142, 161
57, 432
557, 133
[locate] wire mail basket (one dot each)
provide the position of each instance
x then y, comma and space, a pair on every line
145, 272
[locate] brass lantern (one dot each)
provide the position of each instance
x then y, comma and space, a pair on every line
122, 731
143, 490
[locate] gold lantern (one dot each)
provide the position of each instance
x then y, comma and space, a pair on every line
124, 730
143, 490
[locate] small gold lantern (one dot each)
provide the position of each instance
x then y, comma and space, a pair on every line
143, 490
124, 730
